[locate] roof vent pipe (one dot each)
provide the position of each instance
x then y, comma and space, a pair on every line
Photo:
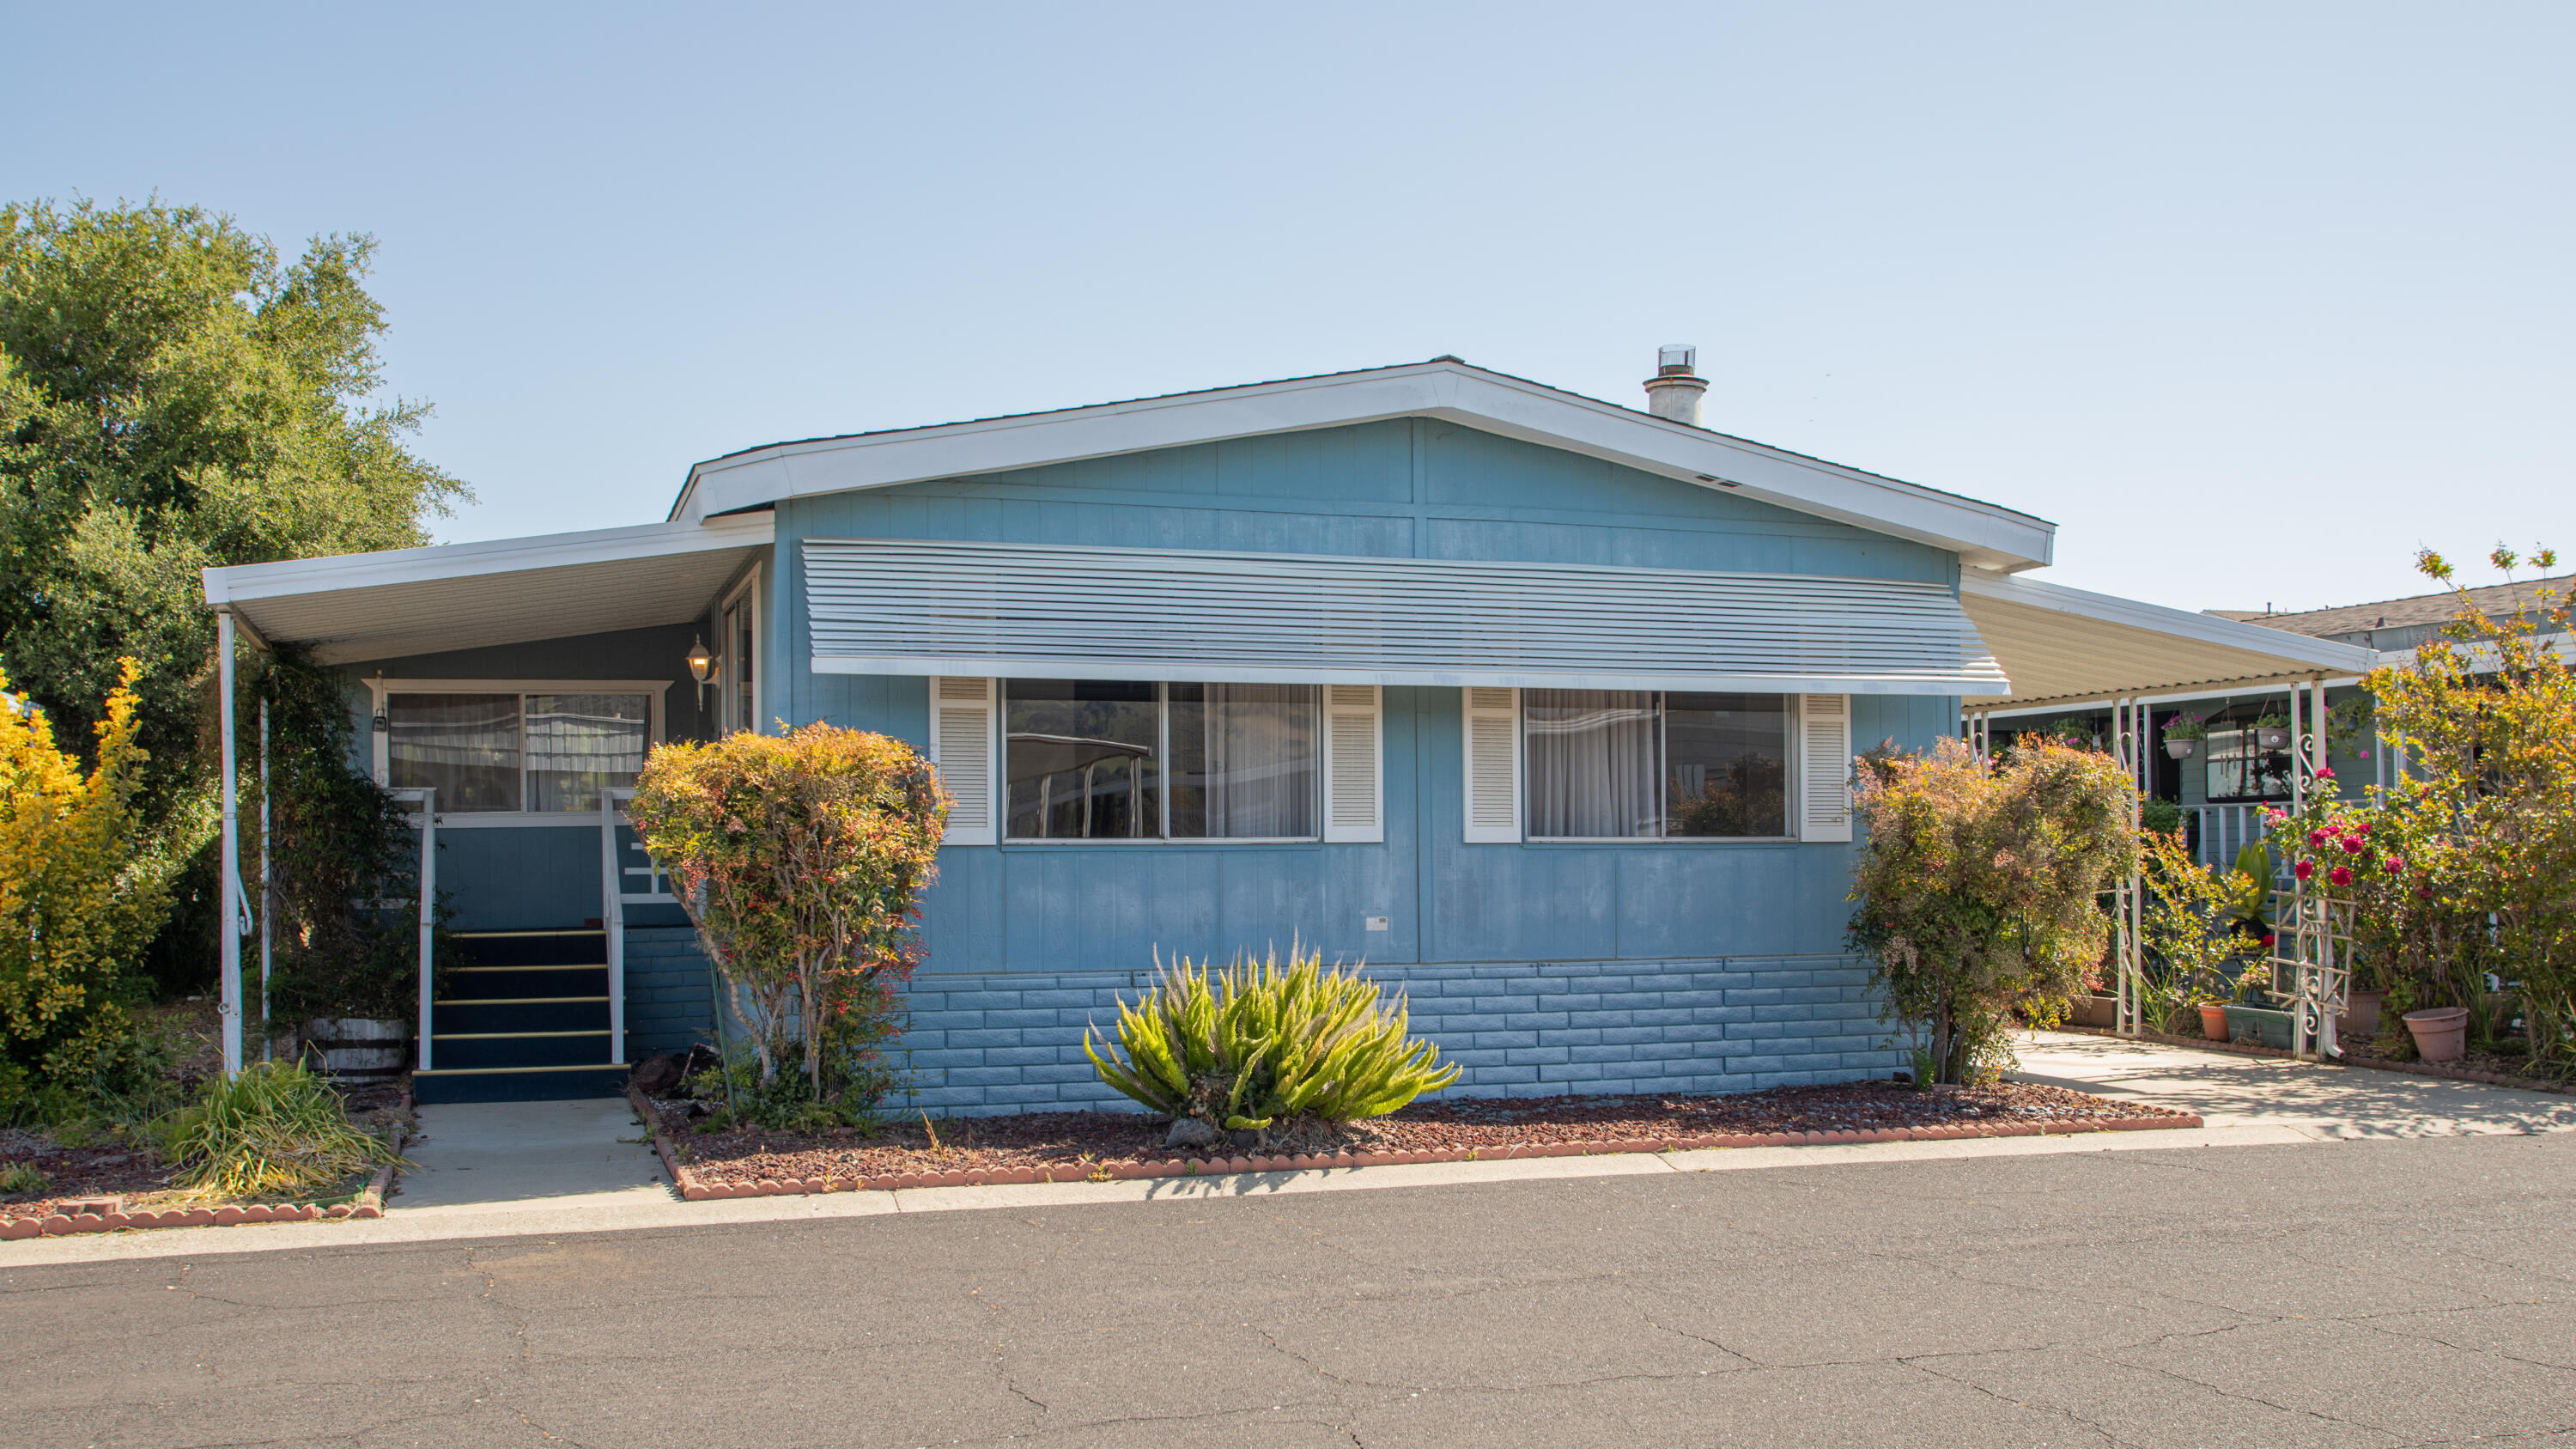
1674, 391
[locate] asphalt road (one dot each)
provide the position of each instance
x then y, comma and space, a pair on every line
2348, 1293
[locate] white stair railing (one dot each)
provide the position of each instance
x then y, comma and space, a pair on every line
614, 898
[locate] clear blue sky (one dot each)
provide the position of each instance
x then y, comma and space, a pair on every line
2253, 300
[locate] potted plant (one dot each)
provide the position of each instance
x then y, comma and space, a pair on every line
2441, 1033
2272, 731
2183, 734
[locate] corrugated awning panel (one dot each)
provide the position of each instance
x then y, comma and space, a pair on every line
881, 606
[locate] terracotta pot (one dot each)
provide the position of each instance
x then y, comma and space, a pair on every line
2441, 1034
2213, 1022
2360, 1019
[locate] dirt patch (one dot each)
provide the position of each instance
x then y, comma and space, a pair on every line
1079, 1142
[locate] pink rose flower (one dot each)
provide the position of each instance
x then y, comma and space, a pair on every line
2304, 870
2324, 774
2395, 865
2317, 837
2352, 845
2340, 875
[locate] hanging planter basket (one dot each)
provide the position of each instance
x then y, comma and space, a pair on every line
2181, 749
2272, 737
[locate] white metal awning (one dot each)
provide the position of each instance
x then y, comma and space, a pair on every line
2067, 646
501, 591
882, 606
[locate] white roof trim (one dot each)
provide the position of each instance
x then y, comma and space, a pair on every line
240, 583
1982, 533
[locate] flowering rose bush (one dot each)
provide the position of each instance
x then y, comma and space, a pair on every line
2467, 865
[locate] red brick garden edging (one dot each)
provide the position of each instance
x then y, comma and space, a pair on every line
369, 1203
694, 1190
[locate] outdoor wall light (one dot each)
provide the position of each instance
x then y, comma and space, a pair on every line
381, 724
702, 665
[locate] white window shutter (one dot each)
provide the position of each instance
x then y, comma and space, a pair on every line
1492, 746
1354, 764
961, 746
1824, 767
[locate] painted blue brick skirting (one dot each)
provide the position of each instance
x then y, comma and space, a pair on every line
667, 1000
1013, 1042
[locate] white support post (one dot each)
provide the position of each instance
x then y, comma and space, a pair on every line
228, 938
428, 908
612, 920
2128, 728
267, 1035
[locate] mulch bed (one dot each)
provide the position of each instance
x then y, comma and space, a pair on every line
104, 1186
1103, 1146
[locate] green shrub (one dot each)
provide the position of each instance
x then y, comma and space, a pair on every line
21, 1179
1254, 1045
276, 1130
861, 1015
79, 899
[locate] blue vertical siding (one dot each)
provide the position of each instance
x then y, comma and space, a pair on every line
1646, 966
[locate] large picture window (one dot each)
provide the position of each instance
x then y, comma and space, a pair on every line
1635, 764
488, 753
1115, 760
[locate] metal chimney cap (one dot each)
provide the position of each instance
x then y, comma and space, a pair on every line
1679, 359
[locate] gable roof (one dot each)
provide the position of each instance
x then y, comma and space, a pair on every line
1982, 534
2497, 601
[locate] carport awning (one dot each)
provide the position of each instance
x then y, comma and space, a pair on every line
886, 606
504, 591
2066, 646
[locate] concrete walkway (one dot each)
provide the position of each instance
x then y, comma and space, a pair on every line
580, 1154
2323, 1102
540, 1168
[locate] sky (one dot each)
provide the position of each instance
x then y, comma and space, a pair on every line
2253, 301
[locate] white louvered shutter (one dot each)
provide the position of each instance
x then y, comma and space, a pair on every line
961, 745
1824, 767
1354, 764
1492, 746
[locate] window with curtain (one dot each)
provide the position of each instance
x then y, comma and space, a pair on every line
580, 744
1602, 764
464, 746
1115, 760
489, 753
1243, 761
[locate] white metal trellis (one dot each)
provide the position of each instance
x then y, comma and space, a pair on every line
2312, 950
2129, 746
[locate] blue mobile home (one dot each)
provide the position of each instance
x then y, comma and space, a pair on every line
1541, 706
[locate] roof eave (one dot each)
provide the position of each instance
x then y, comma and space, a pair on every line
1982, 534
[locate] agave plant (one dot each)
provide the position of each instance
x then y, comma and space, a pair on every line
1256, 1043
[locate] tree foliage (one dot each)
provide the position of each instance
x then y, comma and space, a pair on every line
801, 858
1978, 887
80, 894
173, 395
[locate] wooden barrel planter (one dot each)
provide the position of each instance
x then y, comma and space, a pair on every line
359, 1049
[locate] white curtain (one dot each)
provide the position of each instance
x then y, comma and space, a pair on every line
1592, 771
1260, 742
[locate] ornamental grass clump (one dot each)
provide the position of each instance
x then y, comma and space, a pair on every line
276, 1130
1261, 1046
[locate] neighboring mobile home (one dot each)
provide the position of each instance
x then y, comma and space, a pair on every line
1542, 707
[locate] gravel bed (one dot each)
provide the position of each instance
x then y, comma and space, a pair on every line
1093, 1139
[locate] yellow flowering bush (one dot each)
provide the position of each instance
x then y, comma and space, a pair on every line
77, 907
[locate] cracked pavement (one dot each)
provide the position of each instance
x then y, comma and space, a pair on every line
2389, 1291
